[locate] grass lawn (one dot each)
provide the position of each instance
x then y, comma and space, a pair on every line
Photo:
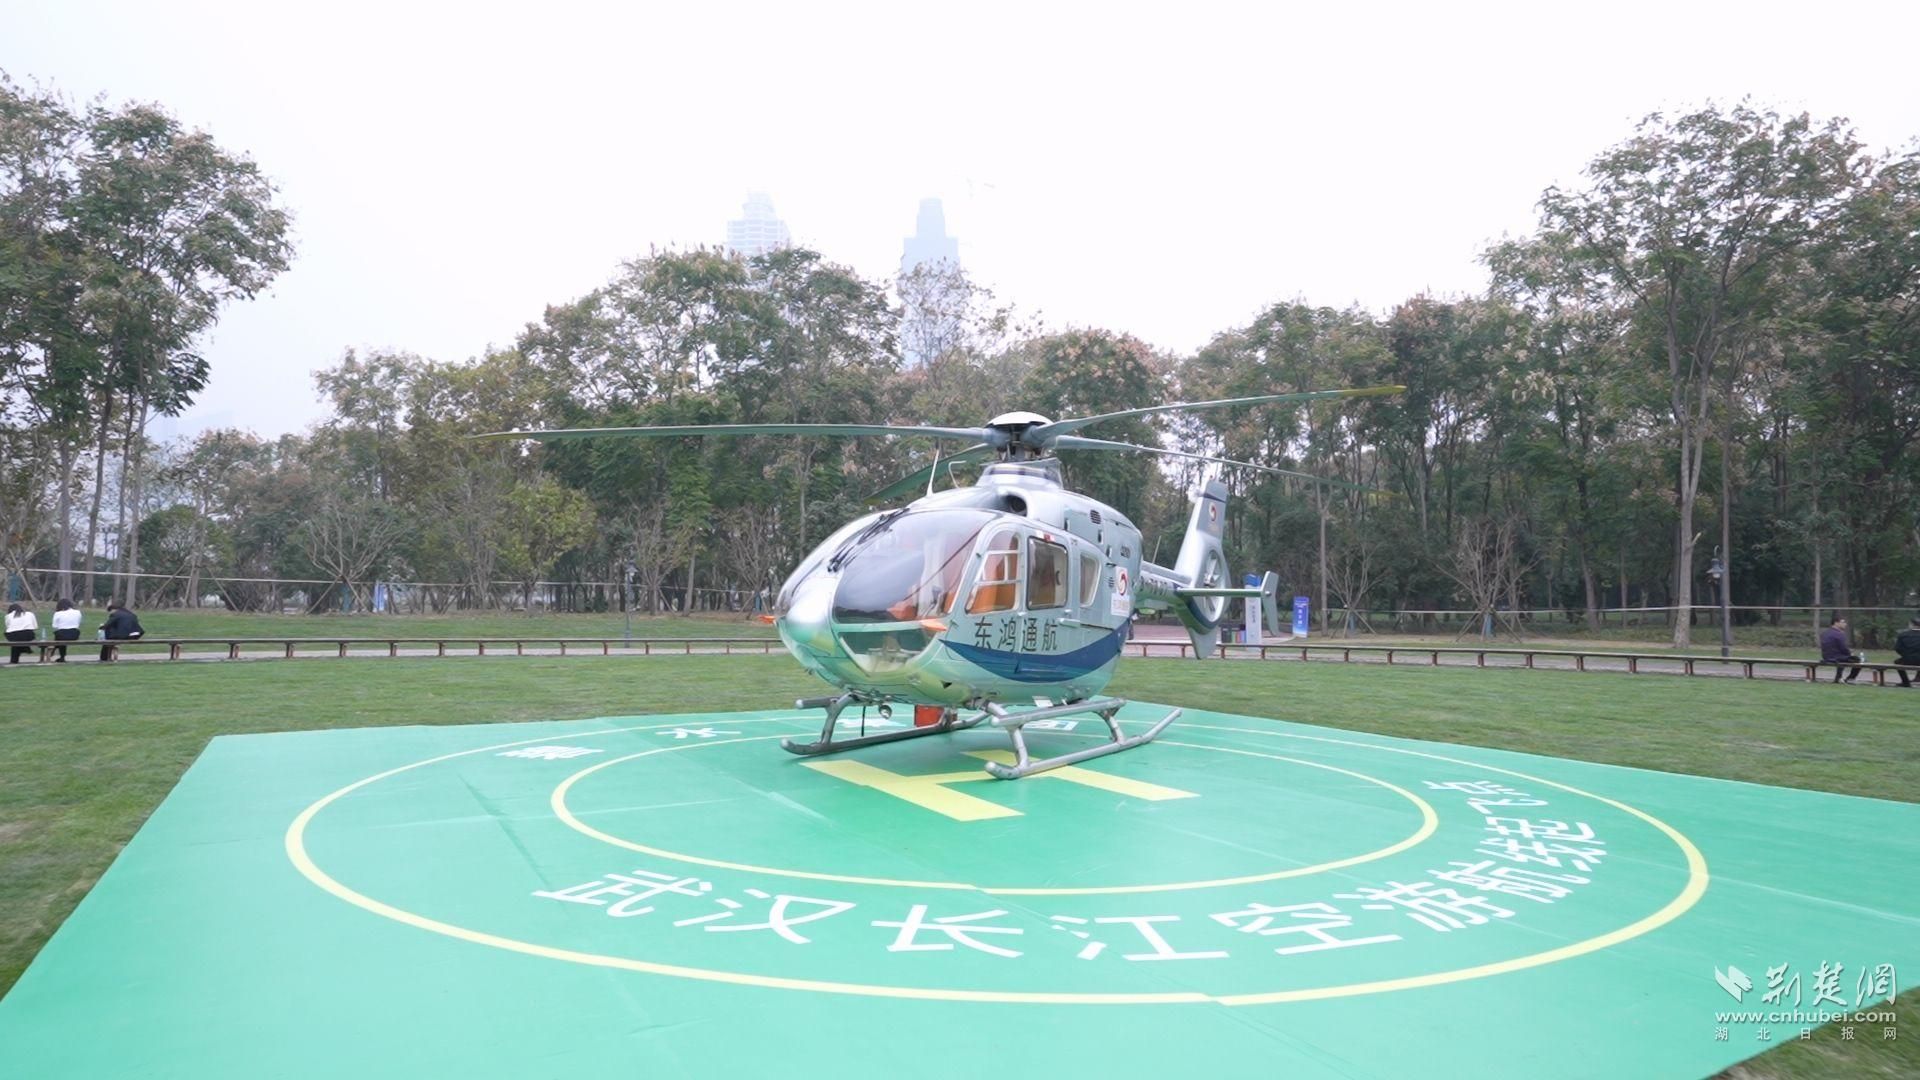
87, 751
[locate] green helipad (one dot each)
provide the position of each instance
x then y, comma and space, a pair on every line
674, 896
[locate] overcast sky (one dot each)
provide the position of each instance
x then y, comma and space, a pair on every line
1165, 170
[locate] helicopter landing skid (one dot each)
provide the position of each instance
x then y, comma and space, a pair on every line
827, 744
1105, 708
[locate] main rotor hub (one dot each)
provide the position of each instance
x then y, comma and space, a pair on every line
1020, 420
1013, 427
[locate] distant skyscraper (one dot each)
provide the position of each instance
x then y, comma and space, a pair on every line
933, 323
758, 231
929, 242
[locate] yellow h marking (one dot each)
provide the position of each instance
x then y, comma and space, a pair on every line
928, 791
934, 791
1074, 774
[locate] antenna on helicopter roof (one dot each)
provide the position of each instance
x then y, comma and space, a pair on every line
933, 474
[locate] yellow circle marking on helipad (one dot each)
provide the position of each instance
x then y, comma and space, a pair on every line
1696, 887
1429, 821
1690, 894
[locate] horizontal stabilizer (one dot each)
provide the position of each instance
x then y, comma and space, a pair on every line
1268, 594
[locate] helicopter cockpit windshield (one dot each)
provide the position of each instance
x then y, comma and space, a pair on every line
906, 567
841, 539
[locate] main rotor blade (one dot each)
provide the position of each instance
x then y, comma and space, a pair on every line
915, 482
667, 430
1076, 442
1040, 436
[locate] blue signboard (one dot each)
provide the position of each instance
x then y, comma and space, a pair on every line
1299, 616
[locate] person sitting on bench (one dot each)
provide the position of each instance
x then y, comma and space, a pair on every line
66, 627
22, 625
1907, 648
1835, 650
121, 625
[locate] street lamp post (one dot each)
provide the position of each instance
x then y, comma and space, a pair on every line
1717, 571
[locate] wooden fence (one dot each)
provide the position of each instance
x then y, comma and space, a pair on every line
1582, 660
236, 648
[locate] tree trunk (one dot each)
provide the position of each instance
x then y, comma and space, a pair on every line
118, 588
1683, 571
69, 454
1321, 499
193, 562
1684, 369
1726, 527
693, 558
1817, 575
133, 545
1592, 585
99, 490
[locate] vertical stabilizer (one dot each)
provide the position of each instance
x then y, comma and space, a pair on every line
1203, 565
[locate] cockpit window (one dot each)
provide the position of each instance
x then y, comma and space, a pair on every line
998, 586
1047, 577
905, 567
821, 554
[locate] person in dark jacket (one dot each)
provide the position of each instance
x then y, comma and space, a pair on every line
1907, 645
1836, 650
121, 625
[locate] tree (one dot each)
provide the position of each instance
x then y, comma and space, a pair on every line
182, 542
1852, 378
122, 235
1289, 348
1352, 572
206, 473
945, 315
1088, 372
348, 537
23, 511
1575, 391
825, 352
1486, 563
369, 396
753, 547
50, 359
180, 228
542, 521
1695, 223
652, 551
1446, 353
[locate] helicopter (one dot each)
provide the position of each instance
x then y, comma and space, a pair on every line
1003, 603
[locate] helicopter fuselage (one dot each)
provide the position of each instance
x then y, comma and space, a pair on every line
1011, 590
1014, 590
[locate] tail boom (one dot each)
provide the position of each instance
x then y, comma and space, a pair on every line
1197, 587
